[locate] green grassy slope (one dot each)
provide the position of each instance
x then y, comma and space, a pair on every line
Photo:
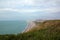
47, 30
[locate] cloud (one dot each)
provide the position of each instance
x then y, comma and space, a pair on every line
10, 13
30, 3
47, 10
47, 2
18, 10
15, 3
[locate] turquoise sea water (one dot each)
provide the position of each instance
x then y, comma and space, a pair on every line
12, 27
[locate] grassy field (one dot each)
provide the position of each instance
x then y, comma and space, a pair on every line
47, 30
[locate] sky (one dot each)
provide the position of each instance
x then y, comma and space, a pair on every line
29, 9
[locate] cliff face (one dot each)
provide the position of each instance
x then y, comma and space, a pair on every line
31, 25
37, 25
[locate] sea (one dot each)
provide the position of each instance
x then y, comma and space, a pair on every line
12, 27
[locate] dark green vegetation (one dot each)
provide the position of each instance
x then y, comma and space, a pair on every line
47, 30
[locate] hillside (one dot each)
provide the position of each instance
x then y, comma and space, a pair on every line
45, 24
46, 30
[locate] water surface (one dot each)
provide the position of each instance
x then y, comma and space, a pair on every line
12, 27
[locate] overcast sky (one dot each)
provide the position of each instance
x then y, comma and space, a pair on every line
29, 9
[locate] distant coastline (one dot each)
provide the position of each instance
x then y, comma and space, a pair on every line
30, 25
